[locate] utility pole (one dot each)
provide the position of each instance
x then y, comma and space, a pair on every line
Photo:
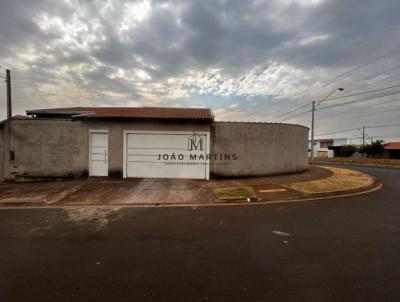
312, 119
312, 130
8, 81
363, 140
363, 136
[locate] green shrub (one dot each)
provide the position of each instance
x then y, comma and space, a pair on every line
347, 150
373, 149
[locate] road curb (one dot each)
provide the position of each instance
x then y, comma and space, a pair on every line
375, 187
372, 186
316, 163
349, 191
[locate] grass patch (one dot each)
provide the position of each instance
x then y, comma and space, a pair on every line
342, 179
366, 161
234, 193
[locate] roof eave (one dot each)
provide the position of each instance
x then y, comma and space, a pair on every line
94, 117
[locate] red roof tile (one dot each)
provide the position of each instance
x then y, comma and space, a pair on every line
392, 146
21, 117
128, 112
17, 117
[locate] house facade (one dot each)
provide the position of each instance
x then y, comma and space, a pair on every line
391, 150
327, 147
145, 143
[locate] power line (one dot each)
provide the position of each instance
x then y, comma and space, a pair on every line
384, 126
335, 98
291, 117
374, 75
387, 134
339, 97
366, 114
389, 79
341, 131
373, 113
293, 110
352, 129
362, 65
375, 135
363, 115
357, 101
371, 76
386, 71
346, 103
361, 93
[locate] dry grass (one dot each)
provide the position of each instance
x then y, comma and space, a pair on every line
367, 161
342, 179
233, 193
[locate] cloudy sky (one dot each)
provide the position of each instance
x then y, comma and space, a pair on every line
247, 60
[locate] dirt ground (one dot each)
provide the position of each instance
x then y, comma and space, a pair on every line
85, 191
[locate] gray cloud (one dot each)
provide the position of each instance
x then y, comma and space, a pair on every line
256, 55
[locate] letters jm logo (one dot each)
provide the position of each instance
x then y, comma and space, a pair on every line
195, 142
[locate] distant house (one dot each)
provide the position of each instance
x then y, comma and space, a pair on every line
327, 147
392, 150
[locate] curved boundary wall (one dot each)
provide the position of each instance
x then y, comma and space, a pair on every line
241, 149
59, 148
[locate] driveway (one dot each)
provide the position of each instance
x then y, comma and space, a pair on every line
139, 191
342, 249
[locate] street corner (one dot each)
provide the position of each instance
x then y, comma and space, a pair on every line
276, 192
342, 181
324, 182
317, 181
256, 193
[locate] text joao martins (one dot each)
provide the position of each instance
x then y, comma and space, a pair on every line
198, 157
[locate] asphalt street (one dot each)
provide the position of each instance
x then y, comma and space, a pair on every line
343, 249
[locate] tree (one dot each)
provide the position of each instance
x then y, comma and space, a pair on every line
373, 149
347, 150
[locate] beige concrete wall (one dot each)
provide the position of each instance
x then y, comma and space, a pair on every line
56, 148
2, 152
261, 149
45, 148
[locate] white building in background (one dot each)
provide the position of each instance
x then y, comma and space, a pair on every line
321, 146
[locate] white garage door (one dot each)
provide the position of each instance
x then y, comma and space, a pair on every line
172, 154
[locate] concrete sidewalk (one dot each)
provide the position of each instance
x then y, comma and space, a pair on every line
108, 191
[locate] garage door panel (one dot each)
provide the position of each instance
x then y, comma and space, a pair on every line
186, 171
157, 141
150, 155
142, 169
157, 153
159, 158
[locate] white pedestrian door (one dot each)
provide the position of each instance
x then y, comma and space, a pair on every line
98, 149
